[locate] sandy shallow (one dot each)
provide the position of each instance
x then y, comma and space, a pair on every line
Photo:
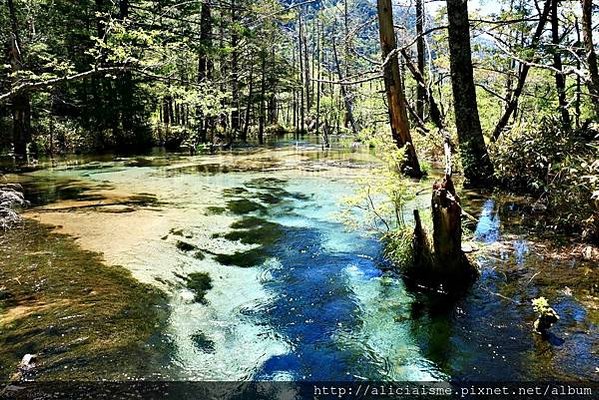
141, 239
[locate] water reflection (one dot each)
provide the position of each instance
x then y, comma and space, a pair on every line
487, 229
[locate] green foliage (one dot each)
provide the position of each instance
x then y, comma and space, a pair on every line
546, 316
559, 168
398, 247
380, 198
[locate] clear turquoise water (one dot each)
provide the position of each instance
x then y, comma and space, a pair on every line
315, 304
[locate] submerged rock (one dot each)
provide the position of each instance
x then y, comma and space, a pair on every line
202, 342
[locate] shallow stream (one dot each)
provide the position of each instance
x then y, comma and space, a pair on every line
295, 295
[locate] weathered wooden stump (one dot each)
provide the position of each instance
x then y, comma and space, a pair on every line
444, 265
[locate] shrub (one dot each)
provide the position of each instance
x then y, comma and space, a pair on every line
559, 168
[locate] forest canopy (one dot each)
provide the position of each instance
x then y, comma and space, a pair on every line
508, 88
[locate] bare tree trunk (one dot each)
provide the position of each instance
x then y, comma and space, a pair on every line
578, 98
591, 55
446, 265
560, 78
273, 108
308, 79
478, 169
349, 106
248, 109
319, 63
204, 63
302, 115
421, 92
525, 68
262, 98
234, 71
125, 86
400, 128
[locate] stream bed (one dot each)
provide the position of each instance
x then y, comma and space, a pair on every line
291, 293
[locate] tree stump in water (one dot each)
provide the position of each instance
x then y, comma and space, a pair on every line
444, 265
447, 230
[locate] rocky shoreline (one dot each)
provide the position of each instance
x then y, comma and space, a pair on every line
11, 201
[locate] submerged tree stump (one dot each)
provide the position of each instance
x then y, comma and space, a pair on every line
444, 264
450, 260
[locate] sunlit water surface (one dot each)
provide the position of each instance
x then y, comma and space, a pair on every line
310, 302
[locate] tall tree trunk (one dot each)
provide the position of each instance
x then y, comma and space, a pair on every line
349, 119
525, 68
307, 79
578, 98
273, 108
319, 63
125, 84
248, 109
347, 101
234, 70
262, 98
295, 97
400, 128
560, 78
21, 104
478, 169
421, 92
302, 115
591, 55
204, 63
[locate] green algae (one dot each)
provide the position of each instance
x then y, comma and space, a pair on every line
185, 247
250, 230
85, 320
202, 342
212, 210
199, 283
244, 206
265, 183
236, 191
148, 162
243, 259
269, 198
254, 231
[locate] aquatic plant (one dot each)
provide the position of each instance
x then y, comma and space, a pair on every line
199, 283
184, 246
88, 312
546, 316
